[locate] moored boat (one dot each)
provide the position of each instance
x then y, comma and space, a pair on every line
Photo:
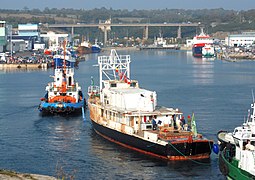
208, 51
63, 95
237, 150
128, 115
199, 41
95, 48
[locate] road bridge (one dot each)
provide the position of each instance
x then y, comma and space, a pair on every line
106, 26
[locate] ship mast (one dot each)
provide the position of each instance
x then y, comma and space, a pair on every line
64, 69
110, 66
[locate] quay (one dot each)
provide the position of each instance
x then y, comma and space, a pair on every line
24, 66
159, 48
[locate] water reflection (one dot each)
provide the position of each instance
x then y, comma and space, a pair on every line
202, 71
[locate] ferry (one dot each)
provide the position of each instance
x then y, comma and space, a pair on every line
63, 95
237, 149
128, 115
199, 41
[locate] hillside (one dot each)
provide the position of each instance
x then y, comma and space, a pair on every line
214, 19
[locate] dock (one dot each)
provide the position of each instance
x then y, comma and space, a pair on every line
159, 48
24, 66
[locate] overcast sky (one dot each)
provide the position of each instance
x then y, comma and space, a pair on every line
129, 4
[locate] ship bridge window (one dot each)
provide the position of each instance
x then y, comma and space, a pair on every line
113, 85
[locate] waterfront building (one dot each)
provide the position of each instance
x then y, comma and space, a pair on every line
30, 33
28, 30
244, 39
53, 39
3, 36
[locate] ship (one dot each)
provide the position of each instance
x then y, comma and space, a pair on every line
86, 48
159, 44
95, 48
199, 41
124, 113
63, 95
237, 149
208, 51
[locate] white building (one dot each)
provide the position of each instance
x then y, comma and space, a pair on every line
54, 39
244, 39
3, 35
28, 30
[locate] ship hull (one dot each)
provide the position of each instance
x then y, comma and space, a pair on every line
197, 51
182, 150
95, 49
61, 108
229, 168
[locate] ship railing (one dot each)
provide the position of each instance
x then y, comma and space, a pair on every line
93, 90
113, 60
69, 88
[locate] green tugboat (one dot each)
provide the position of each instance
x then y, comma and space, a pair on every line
237, 150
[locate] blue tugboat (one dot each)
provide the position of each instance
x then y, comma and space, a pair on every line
63, 95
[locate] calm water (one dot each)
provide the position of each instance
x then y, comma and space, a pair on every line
218, 92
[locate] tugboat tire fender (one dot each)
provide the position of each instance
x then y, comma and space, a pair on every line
58, 109
51, 109
68, 109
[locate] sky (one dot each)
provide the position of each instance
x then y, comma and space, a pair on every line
129, 4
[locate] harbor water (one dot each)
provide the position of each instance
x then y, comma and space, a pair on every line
218, 92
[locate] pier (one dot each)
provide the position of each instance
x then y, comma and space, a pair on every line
24, 66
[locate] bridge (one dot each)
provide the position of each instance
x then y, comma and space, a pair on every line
105, 26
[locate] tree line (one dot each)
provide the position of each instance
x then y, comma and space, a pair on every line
213, 19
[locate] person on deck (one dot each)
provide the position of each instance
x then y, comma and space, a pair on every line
183, 121
154, 124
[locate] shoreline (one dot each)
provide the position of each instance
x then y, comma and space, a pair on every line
23, 66
12, 175
120, 48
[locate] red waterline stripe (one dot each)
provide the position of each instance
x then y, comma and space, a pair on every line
204, 156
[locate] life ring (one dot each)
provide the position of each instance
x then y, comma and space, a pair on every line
223, 166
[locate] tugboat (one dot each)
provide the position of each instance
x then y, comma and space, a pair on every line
208, 51
64, 94
237, 150
123, 113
